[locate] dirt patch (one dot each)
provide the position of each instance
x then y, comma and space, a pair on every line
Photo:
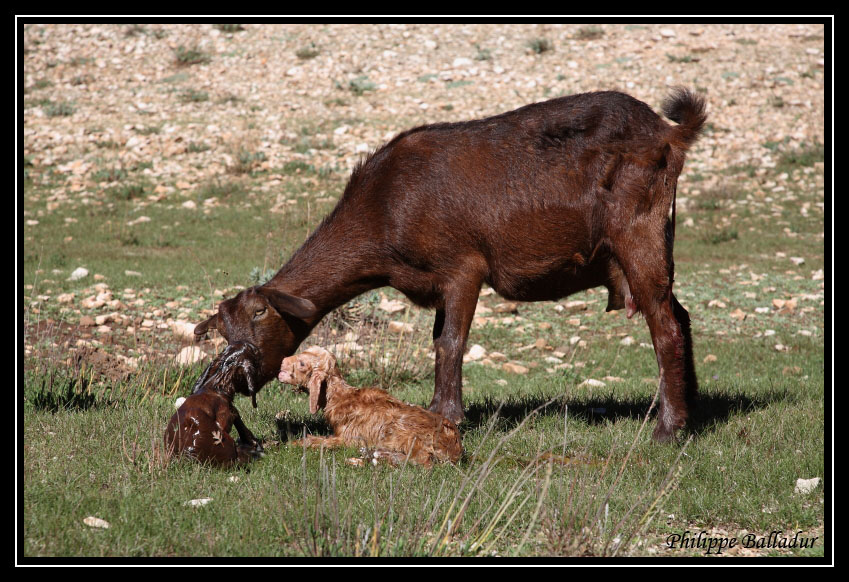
101, 356
100, 362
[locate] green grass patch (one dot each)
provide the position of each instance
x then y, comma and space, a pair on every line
186, 56
60, 109
553, 466
589, 33
245, 161
360, 85
229, 28
194, 147
682, 58
482, 54
540, 45
803, 157
307, 52
193, 96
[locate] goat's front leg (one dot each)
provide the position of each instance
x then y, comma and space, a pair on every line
395, 458
450, 332
317, 442
245, 435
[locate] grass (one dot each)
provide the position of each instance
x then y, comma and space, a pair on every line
589, 33
245, 161
360, 85
482, 54
531, 484
553, 467
540, 45
229, 28
682, 59
190, 56
61, 109
193, 96
307, 52
196, 147
803, 157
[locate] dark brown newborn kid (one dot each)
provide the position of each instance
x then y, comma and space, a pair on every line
200, 428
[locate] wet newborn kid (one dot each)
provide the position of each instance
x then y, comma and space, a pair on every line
201, 426
369, 417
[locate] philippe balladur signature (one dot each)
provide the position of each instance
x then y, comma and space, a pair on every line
717, 544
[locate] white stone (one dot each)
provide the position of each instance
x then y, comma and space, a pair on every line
805, 486
400, 327
476, 352
592, 383
392, 306
190, 355
92, 521
78, 274
183, 330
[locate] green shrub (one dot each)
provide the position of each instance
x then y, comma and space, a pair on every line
190, 56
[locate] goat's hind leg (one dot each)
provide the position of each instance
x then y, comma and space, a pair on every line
672, 346
317, 442
648, 267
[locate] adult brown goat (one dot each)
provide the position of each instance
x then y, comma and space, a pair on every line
541, 202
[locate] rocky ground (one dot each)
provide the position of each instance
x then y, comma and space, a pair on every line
183, 104
761, 81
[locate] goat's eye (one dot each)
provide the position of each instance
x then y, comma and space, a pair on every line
259, 312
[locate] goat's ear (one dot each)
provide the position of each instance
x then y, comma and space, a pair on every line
203, 326
285, 303
317, 386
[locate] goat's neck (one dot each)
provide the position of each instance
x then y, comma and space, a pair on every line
333, 266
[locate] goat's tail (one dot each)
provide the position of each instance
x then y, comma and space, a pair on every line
687, 109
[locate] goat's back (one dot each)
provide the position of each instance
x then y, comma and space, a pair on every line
519, 191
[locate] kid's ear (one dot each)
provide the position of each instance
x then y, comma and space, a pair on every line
317, 387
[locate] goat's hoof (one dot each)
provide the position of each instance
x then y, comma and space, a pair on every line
256, 445
663, 434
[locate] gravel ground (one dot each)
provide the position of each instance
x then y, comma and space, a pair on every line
265, 82
185, 100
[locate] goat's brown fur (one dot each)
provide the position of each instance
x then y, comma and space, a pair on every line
369, 417
541, 202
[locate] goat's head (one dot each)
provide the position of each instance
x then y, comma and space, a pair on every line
309, 371
450, 444
273, 321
